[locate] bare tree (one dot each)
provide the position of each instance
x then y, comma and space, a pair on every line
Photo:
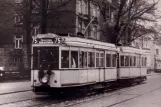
6, 17
131, 17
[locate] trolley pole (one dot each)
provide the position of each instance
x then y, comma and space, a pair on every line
88, 25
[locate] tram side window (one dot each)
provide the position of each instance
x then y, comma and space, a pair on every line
91, 59
122, 60
138, 61
142, 60
126, 60
65, 59
74, 59
108, 60
49, 58
97, 59
82, 59
101, 59
130, 60
134, 61
145, 61
113, 60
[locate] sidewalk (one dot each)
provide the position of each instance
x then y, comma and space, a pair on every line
9, 87
14, 86
153, 73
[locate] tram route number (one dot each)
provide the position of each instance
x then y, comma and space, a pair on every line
58, 40
50, 40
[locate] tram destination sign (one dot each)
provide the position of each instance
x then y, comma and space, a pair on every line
56, 40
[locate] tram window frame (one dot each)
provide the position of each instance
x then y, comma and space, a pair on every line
82, 59
66, 59
134, 61
138, 61
127, 64
122, 60
74, 59
130, 61
42, 60
102, 61
108, 60
114, 60
142, 61
97, 59
145, 61
91, 59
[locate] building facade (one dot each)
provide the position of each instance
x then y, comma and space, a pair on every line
77, 18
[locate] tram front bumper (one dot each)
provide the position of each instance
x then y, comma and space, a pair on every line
41, 89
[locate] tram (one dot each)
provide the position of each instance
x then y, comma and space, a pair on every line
61, 62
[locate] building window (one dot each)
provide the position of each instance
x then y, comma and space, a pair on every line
81, 26
17, 59
36, 30
83, 7
95, 32
80, 6
18, 19
86, 7
18, 42
94, 11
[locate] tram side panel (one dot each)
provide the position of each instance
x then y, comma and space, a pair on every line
129, 66
110, 74
93, 75
123, 69
143, 65
69, 77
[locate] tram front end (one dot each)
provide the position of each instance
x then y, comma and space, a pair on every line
45, 68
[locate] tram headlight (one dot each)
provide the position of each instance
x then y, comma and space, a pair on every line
44, 79
2, 68
1, 74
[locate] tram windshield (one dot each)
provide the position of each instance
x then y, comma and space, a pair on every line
45, 57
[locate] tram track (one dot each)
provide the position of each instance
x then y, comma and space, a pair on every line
133, 97
68, 101
50, 99
13, 92
128, 99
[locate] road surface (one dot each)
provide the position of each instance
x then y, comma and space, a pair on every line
18, 94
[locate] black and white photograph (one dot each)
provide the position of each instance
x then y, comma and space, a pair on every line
80, 53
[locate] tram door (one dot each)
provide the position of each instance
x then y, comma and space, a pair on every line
100, 63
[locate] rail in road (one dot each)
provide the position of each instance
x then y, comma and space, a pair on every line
66, 101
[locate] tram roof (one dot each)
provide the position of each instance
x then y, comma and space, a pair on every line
77, 41
133, 50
